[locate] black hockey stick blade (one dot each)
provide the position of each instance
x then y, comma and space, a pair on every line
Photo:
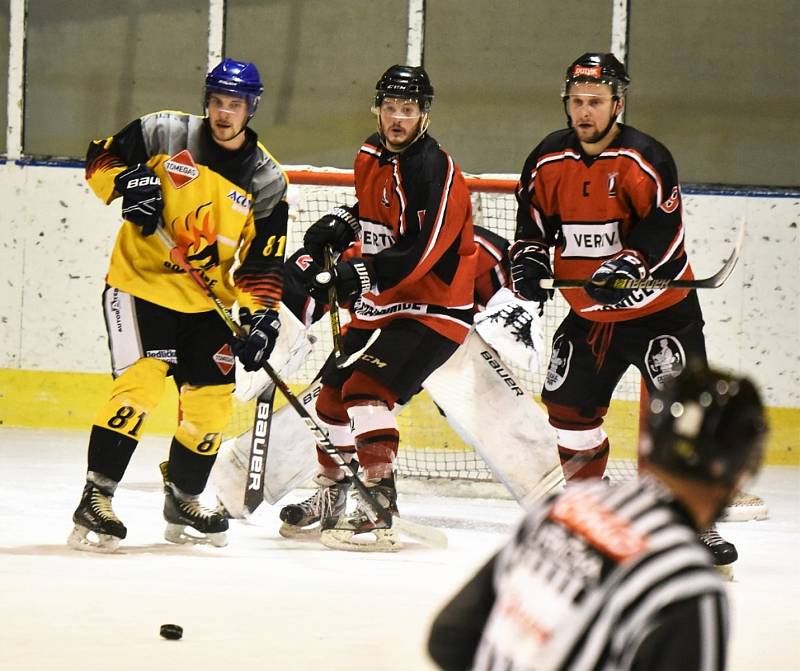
259, 444
715, 281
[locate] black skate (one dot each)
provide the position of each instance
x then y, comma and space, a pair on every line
338, 533
183, 510
329, 501
723, 553
97, 528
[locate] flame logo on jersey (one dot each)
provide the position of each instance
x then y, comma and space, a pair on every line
197, 237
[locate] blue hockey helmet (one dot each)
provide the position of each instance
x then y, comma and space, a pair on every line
235, 78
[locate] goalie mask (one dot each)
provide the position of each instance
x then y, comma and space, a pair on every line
235, 78
707, 426
401, 85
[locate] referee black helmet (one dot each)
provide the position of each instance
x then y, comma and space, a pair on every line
706, 425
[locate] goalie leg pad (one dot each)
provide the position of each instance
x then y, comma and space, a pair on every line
290, 458
493, 413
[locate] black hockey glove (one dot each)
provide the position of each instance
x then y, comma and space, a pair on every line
350, 278
262, 332
530, 262
142, 204
627, 265
339, 228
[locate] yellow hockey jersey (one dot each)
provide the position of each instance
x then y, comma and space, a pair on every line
221, 207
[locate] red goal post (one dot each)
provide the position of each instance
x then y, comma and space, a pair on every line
429, 448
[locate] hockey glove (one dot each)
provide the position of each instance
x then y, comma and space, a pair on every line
262, 332
142, 204
530, 262
627, 265
339, 228
350, 279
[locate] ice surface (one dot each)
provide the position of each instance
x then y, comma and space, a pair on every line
265, 602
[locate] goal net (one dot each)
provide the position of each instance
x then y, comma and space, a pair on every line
429, 448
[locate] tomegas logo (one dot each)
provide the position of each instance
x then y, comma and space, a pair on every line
181, 169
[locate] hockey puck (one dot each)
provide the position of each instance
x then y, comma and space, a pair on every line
171, 632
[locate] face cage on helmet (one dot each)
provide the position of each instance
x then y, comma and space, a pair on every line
424, 114
618, 88
252, 99
423, 100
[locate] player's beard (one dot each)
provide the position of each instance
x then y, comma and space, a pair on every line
598, 136
410, 137
226, 133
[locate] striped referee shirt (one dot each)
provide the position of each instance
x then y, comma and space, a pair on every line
601, 577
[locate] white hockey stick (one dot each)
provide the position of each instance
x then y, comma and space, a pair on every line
713, 282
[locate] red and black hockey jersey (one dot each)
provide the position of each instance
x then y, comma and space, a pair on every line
416, 224
218, 205
590, 207
491, 274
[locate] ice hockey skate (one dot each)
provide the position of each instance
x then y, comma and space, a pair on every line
339, 533
744, 508
723, 553
183, 510
97, 528
305, 518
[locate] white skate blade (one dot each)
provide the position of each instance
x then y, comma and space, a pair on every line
384, 540
86, 540
177, 533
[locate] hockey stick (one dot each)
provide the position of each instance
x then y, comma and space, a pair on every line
333, 310
651, 283
340, 359
428, 535
259, 444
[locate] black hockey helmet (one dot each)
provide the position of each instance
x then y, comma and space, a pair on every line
407, 82
600, 69
706, 425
